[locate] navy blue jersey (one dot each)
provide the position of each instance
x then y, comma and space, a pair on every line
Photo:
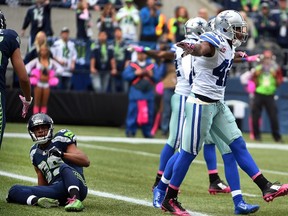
50, 165
9, 42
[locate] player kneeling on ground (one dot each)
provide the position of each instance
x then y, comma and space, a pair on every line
59, 167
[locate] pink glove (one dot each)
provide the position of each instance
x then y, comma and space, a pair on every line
26, 105
253, 58
188, 48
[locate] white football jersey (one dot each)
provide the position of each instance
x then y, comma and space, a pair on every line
183, 70
211, 73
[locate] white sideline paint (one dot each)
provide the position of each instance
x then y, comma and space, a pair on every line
95, 193
146, 141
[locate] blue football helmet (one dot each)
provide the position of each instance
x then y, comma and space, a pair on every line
40, 119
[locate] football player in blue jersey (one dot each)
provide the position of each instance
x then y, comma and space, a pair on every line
206, 112
10, 49
59, 167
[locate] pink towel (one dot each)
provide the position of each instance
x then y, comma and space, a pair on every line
142, 117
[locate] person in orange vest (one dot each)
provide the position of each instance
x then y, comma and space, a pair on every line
142, 77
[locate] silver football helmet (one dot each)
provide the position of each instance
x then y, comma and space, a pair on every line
194, 27
231, 25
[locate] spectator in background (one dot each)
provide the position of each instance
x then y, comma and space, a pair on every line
102, 64
122, 57
40, 39
39, 16
43, 71
283, 17
83, 21
101, 4
203, 13
251, 7
149, 16
64, 52
128, 19
142, 77
177, 23
267, 77
107, 21
266, 23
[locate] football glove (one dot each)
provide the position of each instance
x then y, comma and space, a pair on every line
26, 105
55, 152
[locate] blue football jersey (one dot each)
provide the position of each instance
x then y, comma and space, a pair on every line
49, 165
9, 42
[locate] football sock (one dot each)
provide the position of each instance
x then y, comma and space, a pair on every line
231, 171
181, 167
171, 193
33, 201
157, 179
237, 198
162, 185
165, 155
261, 181
74, 192
213, 177
243, 157
210, 156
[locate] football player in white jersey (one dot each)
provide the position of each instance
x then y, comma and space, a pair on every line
206, 112
194, 27
184, 75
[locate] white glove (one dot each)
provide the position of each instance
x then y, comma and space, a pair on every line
26, 105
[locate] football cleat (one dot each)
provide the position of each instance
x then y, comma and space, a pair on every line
274, 190
218, 186
174, 207
74, 205
45, 202
244, 208
158, 197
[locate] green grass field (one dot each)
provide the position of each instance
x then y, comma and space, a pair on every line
121, 175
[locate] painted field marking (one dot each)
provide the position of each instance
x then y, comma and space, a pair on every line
95, 193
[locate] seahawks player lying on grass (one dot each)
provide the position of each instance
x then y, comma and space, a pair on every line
59, 167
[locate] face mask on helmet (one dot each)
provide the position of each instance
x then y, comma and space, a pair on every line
231, 25
195, 27
40, 128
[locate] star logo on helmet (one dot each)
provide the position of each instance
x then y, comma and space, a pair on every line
225, 17
200, 23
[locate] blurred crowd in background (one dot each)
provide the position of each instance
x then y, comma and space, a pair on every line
95, 58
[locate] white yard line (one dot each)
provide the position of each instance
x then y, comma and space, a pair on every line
95, 193
146, 141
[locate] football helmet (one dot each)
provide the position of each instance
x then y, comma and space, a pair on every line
194, 27
2, 21
231, 25
40, 119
